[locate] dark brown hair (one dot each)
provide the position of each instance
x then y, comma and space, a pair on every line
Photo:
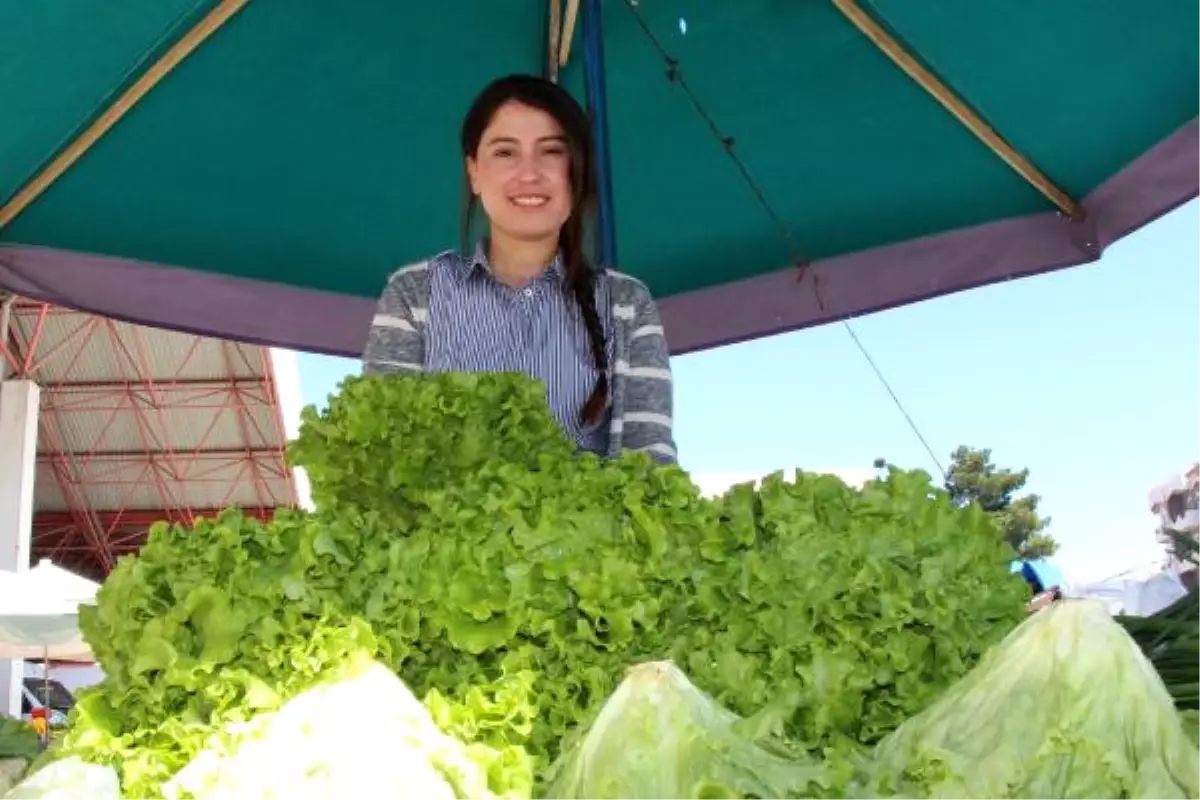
580, 279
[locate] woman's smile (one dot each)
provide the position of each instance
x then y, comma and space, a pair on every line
533, 201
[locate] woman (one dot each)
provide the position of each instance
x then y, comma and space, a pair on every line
527, 300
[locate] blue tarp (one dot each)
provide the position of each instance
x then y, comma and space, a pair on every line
1043, 575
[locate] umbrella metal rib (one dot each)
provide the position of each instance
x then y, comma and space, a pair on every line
176, 54
888, 45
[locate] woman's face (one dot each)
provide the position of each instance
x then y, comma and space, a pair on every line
522, 173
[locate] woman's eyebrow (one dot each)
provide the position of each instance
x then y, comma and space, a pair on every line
501, 140
557, 139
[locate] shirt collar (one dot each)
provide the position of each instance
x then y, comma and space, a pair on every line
478, 264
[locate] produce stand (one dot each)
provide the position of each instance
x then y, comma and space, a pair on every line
520, 621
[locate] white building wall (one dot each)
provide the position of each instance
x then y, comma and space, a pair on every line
291, 401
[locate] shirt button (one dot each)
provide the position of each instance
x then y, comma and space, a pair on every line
529, 292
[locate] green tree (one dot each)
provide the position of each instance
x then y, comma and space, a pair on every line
973, 477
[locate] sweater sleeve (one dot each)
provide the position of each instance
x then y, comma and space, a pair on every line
396, 340
647, 424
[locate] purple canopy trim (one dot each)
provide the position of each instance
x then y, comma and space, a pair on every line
1156, 183
272, 314
203, 303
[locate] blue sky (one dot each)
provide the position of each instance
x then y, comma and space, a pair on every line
1090, 377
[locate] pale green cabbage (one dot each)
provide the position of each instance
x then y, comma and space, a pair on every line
658, 736
1065, 707
1191, 723
69, 779
364, 734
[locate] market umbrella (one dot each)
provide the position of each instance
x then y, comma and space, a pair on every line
766, 165
39, 610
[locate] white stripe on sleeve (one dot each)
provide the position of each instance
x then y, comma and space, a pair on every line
396, 323
655, 373
404, 365
659, 448
647, 330
648, 418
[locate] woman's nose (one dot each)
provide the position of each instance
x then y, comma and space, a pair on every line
527, 170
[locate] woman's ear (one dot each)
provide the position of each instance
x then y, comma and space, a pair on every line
472, 174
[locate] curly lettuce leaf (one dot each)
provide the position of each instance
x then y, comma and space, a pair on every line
462, 541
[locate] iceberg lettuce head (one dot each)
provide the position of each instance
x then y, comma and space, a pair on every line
1065, 707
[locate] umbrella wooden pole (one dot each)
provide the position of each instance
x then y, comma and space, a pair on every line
113, 114
568, 32
554, 37
952, 103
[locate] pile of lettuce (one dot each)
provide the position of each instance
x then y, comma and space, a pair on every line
511, 582
509, 551
215, 625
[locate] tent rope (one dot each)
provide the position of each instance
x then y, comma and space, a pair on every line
674, 75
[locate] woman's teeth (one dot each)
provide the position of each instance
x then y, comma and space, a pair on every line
530, 200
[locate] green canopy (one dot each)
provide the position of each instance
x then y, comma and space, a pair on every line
773, 164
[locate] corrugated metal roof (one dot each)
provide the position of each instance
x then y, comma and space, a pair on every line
206, 483
135, 419
229, 421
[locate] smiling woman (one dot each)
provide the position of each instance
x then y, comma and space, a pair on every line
527, 299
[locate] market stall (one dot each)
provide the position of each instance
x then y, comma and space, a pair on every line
39, 621
39, 613
472, 609
39, 610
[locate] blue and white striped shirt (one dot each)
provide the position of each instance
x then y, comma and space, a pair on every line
449, 314
478, 324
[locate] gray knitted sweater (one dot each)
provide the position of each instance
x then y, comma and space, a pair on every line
642, 394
